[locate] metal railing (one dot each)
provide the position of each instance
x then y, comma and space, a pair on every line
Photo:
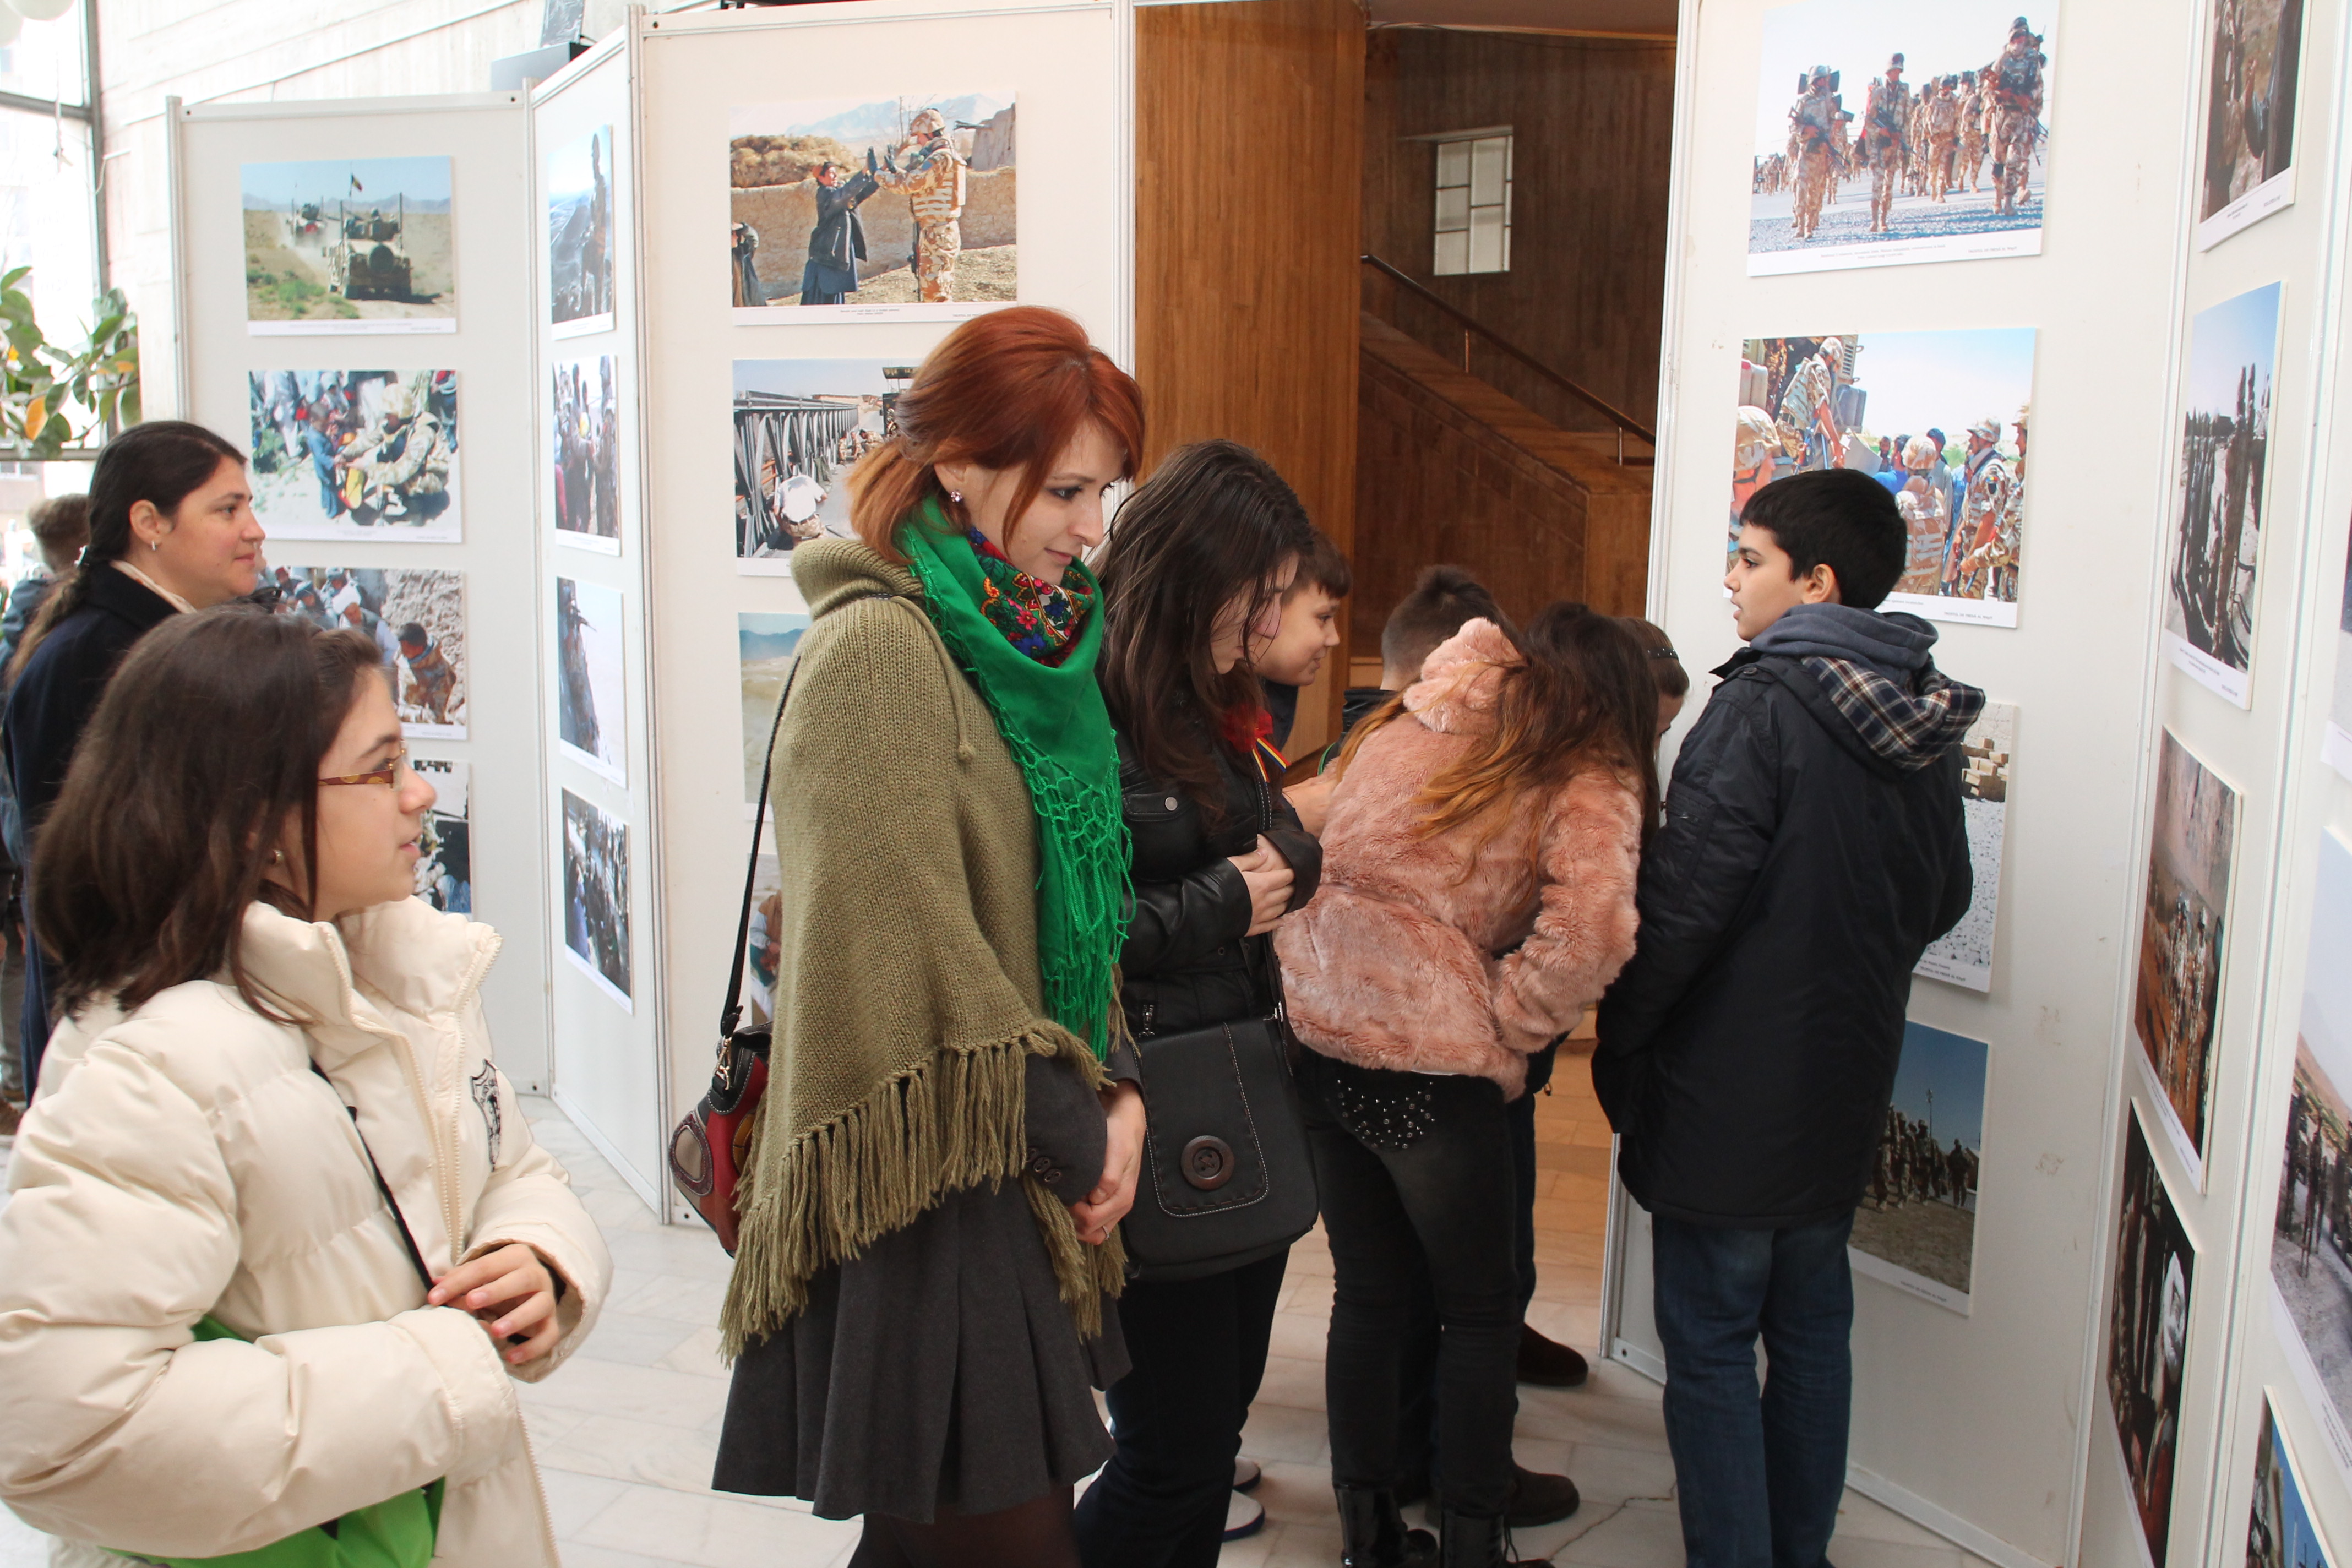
1473, 328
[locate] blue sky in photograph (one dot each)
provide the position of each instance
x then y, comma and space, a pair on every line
2300, 1544
567, 167
1946, 381
2225, 339
380, 179
809, 377
2326, 976
761, 634
1855, 37
1954, 1066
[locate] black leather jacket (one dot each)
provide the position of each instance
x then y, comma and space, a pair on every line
1187, 963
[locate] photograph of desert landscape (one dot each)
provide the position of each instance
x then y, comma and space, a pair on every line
348, 245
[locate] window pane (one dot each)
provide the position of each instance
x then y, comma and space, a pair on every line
1453, 254
1486, 158
1453, 164
1452, 208
46, 217
44, 60
1486, 239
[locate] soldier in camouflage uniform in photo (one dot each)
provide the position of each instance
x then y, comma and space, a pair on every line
1809, 409
1972, 129
1885, 141
1988, 498
933, 180
1813, 126
2015, 114
1943, 136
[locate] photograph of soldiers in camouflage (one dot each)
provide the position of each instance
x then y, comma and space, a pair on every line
800, 424
580, 234
2181, 943
2147, 1335
1941, 156
765, 644
1963, 956
348, 245
849, 204
2209, 614
1938, 418
2311, 1242
596, 897
2250, 101
355, 454
591, 721
417, 621
585, 442
2279, 1531
445, 851
1916, 1227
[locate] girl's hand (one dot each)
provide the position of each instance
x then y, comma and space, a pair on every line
1269, 877
1312, 801
512, 1292
1122, 1163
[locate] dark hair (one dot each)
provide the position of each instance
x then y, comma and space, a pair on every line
164, 463
1322, 566
204, 750
1212, 524
1007, 390
61, 523
1444, 599
1838, 517
415, 632
1665, 664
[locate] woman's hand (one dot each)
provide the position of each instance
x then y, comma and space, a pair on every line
512, 1292
1122, 1162
1311, 799
1269, 877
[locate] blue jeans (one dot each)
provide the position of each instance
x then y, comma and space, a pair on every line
1758, 1477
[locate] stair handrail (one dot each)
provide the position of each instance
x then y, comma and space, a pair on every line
1626, 423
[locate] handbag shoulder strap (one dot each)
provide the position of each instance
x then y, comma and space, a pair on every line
407, 1238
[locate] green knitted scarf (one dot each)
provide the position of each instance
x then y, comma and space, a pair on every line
1053, 721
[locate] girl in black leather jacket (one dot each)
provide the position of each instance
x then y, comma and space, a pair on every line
1193, 579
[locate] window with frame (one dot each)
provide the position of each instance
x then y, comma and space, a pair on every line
1473, 203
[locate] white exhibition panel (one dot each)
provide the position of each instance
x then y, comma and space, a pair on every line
486, 139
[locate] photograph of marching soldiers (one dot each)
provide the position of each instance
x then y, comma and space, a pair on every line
444, 852
355, 454
765, 645
2249, 169
590, 717
2311, 1245
1938, 418
800, 424
1898, 131
348, 245
2279, 1531
1918, 1215
1963, 956
586, 445
900, 202
580, 234
418, 622
596, 897
2180, 949
2208, 613
2147, 1336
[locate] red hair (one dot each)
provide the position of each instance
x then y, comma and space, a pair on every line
1008, 390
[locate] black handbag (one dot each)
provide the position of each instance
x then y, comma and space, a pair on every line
1226, 1177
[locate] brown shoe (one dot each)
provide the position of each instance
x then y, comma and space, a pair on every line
1548, 1364
1537, 1499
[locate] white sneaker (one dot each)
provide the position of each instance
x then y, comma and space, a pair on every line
1245, 1517
1246, 1475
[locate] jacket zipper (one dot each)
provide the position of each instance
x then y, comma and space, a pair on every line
538, 1491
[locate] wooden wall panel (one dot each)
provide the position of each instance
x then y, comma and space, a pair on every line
1249, 141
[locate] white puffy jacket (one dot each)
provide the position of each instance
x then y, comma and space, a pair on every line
185, 1159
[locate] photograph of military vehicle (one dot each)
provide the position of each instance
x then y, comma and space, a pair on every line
358, 245
369, 260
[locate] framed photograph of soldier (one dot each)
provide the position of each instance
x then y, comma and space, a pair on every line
2311, 1240
2147, 1336
348, 245
2208, 613
580, 235
2280, 1532
1963, 955
351, 455
2176, 999
417, 621
584, 442
1938, 418
766, 643
873, 208
596, 898
800, 425
444, 852
2253, 71
1890, 132
591, 711
1916, 1227
2337, 746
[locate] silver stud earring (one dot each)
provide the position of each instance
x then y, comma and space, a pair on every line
956, 496
154, 544
278, 857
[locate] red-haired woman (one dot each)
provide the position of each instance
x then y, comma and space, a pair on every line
917, 1312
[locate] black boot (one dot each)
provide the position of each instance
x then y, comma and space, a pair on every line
1372, 1533
1474, 1542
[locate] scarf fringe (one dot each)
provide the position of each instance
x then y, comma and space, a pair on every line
953, 1122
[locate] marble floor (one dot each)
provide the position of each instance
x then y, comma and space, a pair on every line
625, 1433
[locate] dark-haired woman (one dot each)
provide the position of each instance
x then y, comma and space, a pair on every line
280, 1238
1193, 581
1477, 898
171, 529
918, 1314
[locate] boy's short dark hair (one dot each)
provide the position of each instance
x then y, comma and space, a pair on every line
61, 523
1323, 568
1839, 518
1442, 599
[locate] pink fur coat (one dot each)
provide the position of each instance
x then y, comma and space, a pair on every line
1393, 965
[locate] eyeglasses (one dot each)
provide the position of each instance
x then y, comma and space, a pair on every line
387, 775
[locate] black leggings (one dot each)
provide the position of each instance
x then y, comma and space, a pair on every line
1036, 1534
